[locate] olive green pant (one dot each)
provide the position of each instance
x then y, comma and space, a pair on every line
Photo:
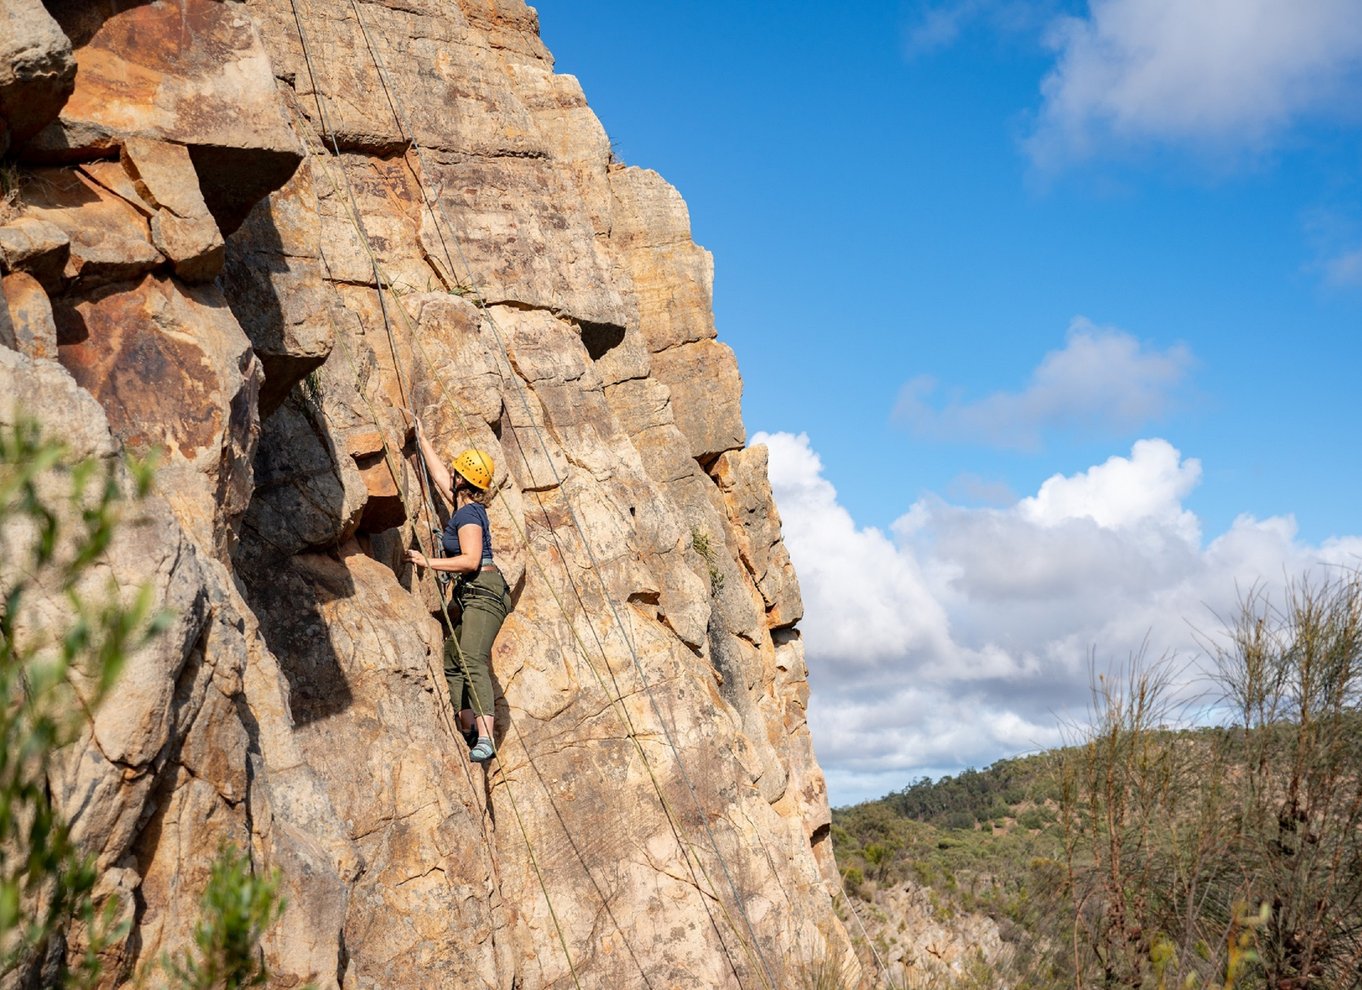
484, 602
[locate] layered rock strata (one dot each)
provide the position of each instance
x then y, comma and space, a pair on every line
245, 238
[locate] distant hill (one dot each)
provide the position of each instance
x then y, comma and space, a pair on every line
1143, 858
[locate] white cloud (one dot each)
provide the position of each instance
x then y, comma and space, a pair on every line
967, 636
1102, 380
882, 604
1215, 74
1146, 488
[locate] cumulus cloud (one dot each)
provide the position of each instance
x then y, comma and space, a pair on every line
965, 634
1147, 487
1219, 74
1103, 380
882, 604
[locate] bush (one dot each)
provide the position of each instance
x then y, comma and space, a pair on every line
56, 520
1230, 854
235, 911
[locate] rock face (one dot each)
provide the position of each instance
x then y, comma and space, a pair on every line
252, 235
36, 70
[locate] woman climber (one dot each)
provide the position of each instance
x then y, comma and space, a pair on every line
479, 589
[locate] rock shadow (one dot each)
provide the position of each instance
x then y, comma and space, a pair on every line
289, 598
256, 270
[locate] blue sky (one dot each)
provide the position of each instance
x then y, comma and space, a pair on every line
1077, 279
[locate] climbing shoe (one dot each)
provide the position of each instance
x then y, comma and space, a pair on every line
483, 751
470, 735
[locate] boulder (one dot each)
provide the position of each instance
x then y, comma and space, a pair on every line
30, 316
193, 73
273, 279
109, 238
182, 229
38, 247
37, 72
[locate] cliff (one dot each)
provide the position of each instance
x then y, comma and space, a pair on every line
245, 236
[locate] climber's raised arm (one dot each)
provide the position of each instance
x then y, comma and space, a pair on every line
435, 467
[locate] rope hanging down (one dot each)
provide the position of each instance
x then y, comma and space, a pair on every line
616, 697
437, 212
379, 284
594, 564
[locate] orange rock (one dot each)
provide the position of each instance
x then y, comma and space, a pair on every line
110, 240
30, 315
192, 73
31, 245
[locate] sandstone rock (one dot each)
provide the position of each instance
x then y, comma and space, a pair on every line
307, 494
359, 657
109, 239
673, 282
182, 228
194, 73
384, 508
528, 205
28, 244
655, 804
401, 72
915, 924
706, 395
164, 177
30, 316
117, 179
37, 71
7, 336
673, 277
106, 780
747, 491
194, 248
273, 280
177, 375
570, 133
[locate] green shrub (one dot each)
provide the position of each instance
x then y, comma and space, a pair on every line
57, 517
236, 909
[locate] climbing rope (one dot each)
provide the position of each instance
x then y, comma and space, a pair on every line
884, 970
617, 695
368, 247
437, 212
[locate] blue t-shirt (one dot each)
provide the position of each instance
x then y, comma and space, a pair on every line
469, 514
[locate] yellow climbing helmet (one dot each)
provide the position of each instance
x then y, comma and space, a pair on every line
476, 468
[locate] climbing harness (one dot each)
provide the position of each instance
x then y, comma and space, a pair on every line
379, 283
437, 213
691, 856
